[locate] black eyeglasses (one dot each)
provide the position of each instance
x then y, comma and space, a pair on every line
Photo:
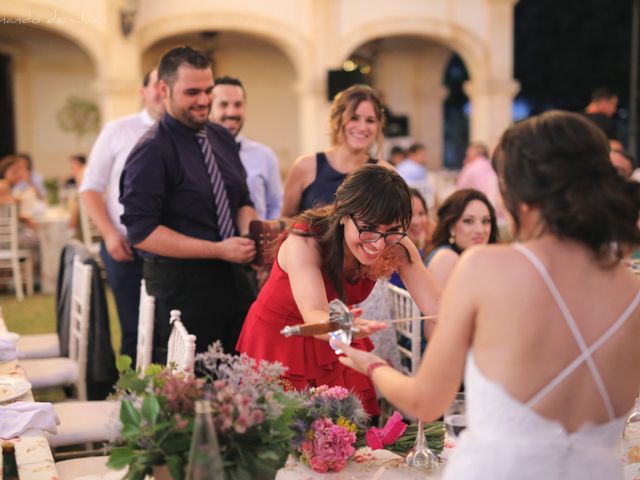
370, 236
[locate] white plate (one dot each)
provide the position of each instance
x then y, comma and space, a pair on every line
12, 387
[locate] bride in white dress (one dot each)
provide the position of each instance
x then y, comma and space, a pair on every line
545, 331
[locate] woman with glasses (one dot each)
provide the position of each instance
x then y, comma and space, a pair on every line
336, 251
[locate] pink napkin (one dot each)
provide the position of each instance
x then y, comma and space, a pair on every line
17, 417
7, 350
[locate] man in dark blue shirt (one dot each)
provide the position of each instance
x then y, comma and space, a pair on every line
185, 202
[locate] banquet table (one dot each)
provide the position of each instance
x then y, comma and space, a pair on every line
33, 454
368, 464
53, 234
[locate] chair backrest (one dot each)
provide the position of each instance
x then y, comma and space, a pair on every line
79, 320
409, 332
9, 227
90, 233
146, 316
182, 346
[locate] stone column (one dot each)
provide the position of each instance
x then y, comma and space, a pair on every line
312, 85
491, 102
118, 83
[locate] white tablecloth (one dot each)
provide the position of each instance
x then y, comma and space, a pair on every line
53, 234
372, 464
33, 455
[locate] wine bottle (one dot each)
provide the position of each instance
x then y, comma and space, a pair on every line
205, 461
631, 443
9, 465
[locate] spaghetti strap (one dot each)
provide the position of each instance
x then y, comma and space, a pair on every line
586, 351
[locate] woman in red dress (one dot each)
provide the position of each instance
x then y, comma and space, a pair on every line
337, 251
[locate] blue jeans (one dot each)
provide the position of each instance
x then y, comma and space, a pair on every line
124, 279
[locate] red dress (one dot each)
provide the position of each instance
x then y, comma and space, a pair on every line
310, 362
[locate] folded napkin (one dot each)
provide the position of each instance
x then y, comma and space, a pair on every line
17, 417
7, 350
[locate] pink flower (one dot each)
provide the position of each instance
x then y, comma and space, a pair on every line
339, 393
332, 446
387, 435
257, 417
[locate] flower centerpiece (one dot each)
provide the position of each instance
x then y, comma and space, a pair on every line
252, 412
331, 424
326, 427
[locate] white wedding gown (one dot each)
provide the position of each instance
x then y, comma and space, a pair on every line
507, 439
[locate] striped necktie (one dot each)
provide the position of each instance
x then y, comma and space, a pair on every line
225, 224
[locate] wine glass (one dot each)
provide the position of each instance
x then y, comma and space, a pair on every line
421, 456
455, 418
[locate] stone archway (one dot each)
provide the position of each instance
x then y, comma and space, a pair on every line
491, 87
469, 46
59, 21
290, 41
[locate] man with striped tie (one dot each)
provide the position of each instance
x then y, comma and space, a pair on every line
186, 203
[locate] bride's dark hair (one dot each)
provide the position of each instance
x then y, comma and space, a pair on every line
559, 162
375, 195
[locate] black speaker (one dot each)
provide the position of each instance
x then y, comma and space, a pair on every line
338, 80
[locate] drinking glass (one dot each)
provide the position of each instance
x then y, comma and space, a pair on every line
455, 418
421, 456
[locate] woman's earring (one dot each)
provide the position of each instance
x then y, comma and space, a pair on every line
452, 239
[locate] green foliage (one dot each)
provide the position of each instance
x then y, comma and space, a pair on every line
79, 116
151, 434
157, 418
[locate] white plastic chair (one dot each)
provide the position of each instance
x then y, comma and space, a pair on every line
90, 234
146, 317
182, 347
405, 307
63, 371
19, 261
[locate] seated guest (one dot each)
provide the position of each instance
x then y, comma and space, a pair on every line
13, 171
77, 165
34, 179
336, 251
544, 331
466, 218
420, 229
355, 120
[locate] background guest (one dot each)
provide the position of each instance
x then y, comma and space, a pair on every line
413, 168
420, 230
623, 161
356, 119
99, 192
465, 219
478, 174
35, 178
396, 155
263, 170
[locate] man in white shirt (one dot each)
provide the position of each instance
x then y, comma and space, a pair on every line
99, 193
261, 164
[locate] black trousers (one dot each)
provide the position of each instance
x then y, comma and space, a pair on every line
213, 296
